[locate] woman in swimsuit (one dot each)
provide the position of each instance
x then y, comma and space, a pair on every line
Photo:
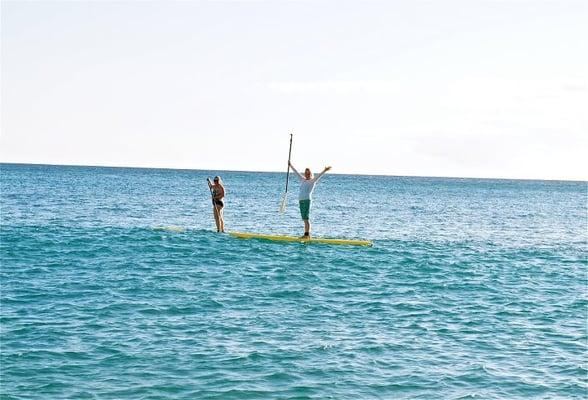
218, 195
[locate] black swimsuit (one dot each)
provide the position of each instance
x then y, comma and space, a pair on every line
215, 201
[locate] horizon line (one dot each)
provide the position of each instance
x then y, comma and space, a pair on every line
278, 172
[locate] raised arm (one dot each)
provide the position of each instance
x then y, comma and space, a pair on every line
320, 175
294, 169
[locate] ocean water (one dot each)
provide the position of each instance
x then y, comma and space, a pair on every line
114, 285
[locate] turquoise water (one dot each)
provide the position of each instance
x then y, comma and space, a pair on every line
114, 286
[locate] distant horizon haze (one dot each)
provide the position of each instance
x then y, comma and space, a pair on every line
331, 172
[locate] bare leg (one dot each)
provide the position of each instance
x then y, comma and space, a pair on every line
221, 220
307, 227
216, 219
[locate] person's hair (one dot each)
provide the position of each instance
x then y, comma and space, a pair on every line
217, 179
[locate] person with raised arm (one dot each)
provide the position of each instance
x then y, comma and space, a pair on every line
307, 184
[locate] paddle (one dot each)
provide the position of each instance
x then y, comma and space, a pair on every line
283, 204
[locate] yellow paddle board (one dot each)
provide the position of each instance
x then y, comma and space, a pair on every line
282, 238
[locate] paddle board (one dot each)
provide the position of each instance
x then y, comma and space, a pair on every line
283, 238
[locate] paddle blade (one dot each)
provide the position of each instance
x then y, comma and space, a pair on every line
283, 204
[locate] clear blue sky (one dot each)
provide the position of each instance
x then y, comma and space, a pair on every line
435, 88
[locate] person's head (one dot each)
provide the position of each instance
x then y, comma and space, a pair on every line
217, 180
308, 173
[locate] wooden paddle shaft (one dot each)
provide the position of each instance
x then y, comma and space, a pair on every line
288, 169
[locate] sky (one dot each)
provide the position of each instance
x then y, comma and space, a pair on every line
488, 89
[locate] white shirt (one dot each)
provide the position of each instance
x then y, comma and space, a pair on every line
307, 185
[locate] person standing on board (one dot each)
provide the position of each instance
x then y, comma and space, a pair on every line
307, 183
217, 190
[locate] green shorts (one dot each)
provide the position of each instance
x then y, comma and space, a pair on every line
304, 208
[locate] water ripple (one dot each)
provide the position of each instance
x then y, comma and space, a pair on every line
473, 290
